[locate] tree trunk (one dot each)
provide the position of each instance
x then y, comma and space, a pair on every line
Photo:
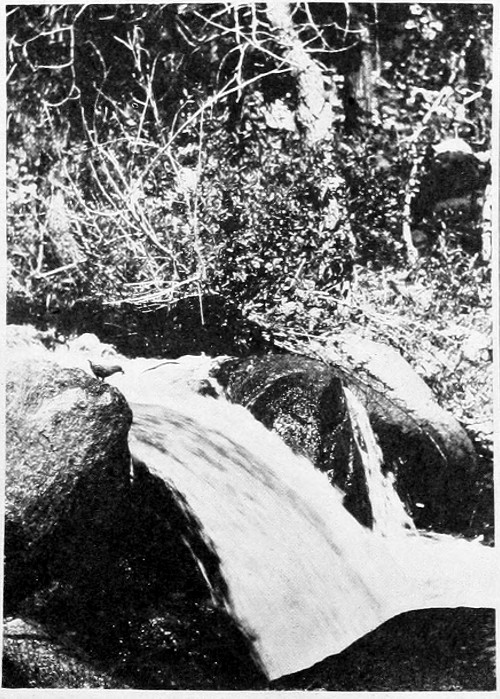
359, 99
314, 112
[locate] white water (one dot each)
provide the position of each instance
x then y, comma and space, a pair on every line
305, 578
389, 515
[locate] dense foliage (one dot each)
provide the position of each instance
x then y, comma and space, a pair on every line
160, 153
148, 157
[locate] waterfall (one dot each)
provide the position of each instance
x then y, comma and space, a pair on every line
304, 579
389, 515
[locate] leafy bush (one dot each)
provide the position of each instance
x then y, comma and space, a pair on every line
142, 166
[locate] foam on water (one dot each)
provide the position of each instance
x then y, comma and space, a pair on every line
305, 579
389, 515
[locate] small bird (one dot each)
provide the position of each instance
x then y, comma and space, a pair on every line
102, 371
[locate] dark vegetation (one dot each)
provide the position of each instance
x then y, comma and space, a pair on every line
170, 189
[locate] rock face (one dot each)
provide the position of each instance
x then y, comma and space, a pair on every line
302, 400
424, 446
67, 468
32, 659
425, 449
103, 562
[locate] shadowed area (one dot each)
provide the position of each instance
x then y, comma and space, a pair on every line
424, 650
108, 571
151, 609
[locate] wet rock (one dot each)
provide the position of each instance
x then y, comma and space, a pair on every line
31, 658
425, 449
21, 337
67, 469
101, 565
424, 446
302, 400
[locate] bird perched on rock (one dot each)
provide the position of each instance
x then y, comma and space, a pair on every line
102, 371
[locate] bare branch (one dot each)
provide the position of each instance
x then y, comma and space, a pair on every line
219, 96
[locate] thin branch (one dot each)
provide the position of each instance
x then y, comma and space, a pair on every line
256, 45
183, 30
209, 103
52, 272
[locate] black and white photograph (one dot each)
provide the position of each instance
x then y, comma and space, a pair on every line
250, 347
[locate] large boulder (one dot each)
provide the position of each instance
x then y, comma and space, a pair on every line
67, 468
428, 452
103, 561
303, 401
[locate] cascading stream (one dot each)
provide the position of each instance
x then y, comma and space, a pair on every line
304, 578
389, 515
301, 576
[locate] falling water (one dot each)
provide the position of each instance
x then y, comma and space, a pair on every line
304, 578
389, 515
